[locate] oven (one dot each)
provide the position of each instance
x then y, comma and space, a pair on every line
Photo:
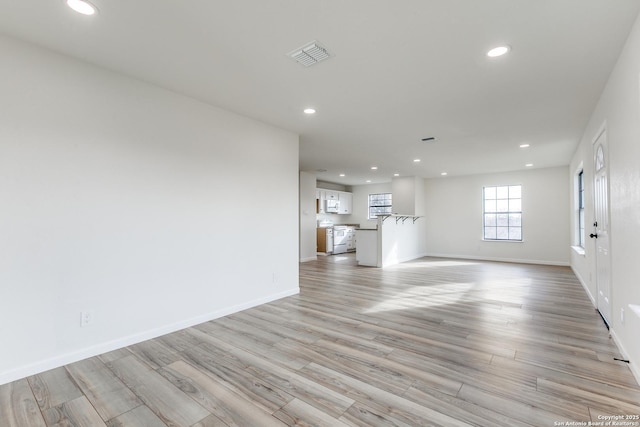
339, 239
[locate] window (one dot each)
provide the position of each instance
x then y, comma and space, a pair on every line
580, 213
379, 204
503, 213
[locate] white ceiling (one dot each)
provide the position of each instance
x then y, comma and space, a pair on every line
401, 70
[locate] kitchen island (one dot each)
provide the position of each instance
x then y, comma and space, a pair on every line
397, 238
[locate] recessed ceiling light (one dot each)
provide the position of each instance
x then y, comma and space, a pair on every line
396, 174
368, 180
341, 174
529, 165
309, 111
82, 6
443, 173
524, 145
374, 168
416, 160
498, 51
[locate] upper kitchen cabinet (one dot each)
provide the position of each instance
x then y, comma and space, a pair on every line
331, 195
346, 203
334, 202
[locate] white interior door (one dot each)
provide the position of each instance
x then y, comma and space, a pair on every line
601, 227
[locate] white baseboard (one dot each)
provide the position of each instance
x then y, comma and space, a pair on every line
496, 259
65, 359
307, 259
404, 259
632, 366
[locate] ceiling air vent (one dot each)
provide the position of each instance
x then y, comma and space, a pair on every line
309, 54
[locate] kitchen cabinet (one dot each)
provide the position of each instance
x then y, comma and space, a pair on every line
346, 203
351, 238
331, 195
332, 198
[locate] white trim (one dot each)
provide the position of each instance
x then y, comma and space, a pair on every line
402, 260
496, 259
575, 216
634, 369
307, 259
579, 250
65, 359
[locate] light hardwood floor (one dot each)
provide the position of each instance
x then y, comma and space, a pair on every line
429, 342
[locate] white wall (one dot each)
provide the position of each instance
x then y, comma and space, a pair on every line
149, 209
618, 109
332, 186
454, 217
409, 198
308, 243
404, 192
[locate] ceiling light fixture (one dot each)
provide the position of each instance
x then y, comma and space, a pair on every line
498, 51
396, 174
373, 168
342, 174
443, 173
368, 180
524, 145
309, 111
529, 165
82, 6
416, 160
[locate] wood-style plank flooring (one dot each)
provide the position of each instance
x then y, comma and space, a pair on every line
431, 342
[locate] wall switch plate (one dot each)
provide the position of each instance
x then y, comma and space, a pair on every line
86, 318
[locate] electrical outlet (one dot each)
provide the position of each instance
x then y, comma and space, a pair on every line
86, 318
622, 315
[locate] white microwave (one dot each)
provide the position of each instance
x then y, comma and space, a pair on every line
332, 206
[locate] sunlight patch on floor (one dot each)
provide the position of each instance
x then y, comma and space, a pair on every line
423, 297
511, 291
433, 264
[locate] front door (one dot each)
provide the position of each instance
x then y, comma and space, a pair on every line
601, 227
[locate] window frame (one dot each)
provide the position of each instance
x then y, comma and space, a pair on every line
580, 201
513, 212
369, 205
